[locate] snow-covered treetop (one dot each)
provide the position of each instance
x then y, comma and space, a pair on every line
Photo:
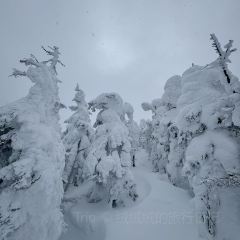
33, 61
128, 110
79, 96
110, 101
223, 55
54, 52
106, 101
79, 99
153, 106
44, 92
208, 95
81, 115
172, 91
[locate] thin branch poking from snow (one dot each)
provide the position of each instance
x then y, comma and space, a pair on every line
223, 55
55, 57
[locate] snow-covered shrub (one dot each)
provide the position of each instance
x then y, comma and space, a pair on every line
77, 139
109, 161
32, 157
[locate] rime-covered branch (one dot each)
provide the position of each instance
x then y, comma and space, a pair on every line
54, 52
230, 180
216, 44
223, 55
17, 73
32, 61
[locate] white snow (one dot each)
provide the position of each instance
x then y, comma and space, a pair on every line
161, 212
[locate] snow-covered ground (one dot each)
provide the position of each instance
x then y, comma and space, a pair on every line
161, 212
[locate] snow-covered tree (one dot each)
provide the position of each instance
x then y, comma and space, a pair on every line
134, 132
154, 149
163, 114
145, 138
208, 124
194, 138
77, 139
108, 161
32, 158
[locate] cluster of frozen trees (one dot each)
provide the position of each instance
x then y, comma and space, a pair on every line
104, 152
38, 162
193, 138
195, 134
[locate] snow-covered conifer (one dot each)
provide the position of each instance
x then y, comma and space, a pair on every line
145, 138
77, 139
154, 150
109, 161
134, 132
208, 128
164, 111
32, 158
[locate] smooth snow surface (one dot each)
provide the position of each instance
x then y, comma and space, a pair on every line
161, 212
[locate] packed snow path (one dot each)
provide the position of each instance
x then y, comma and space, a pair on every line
162, 212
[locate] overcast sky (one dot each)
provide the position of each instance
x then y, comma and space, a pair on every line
127, 46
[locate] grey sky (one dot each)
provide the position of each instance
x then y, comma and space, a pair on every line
128, 46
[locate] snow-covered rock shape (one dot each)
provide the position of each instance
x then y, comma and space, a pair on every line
32, 159
77, 139
108, 161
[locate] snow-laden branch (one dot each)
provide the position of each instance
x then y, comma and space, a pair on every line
30, 61
230, 180
223, 58
17, 73
54, 52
